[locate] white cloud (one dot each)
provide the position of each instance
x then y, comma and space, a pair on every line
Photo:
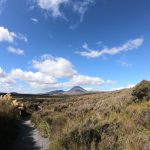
15, 50
8, 80
130, 45
52, 5
8, 36
5, 79
57, 67
2, 2
86, 80
49, 72
33, 78
77, 6
124, 87
81, 7
44, 86
34, 20
77, 80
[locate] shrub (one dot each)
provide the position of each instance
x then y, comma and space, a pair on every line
100, 121
142, 91
8, 120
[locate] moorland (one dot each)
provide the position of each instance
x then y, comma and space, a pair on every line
113, 120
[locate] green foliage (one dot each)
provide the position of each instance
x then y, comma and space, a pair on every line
55, 146
142, 91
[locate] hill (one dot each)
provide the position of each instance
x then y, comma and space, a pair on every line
114, 120
56, 92
76, 89
93, 121
73, 90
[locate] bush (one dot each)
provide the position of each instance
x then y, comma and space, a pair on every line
8, 122
142, 91
101, 121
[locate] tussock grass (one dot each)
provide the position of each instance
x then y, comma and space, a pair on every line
95, 121
8, 120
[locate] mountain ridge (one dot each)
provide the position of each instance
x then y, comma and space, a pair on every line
73, 90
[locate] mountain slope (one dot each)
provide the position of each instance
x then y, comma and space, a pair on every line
56, 92
77, 89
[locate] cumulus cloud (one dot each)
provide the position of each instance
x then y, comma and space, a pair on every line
5, 79
86, 80
33, 78
17, 51
62, 68
76, 80
57, 67
8, 36
49, 72
129, 45
52, 5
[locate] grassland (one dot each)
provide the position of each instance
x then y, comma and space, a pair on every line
118, 120
95, 121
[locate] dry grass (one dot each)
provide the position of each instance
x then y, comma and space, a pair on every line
8, 119
98, 121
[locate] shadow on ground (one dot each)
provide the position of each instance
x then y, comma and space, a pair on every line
25, 139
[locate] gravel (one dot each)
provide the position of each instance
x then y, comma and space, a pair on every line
29, 138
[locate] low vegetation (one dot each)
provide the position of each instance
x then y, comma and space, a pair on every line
118, 120
8, 122
142, 91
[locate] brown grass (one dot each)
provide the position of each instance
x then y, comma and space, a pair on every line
8, 124
95, 121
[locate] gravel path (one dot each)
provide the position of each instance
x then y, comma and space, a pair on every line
29, 138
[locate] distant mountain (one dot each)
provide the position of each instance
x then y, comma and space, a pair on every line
76, 89
14, 93
2, 93
56, 92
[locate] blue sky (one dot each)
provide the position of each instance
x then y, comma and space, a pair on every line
56, 44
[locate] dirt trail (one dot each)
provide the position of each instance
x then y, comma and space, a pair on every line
29, 138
